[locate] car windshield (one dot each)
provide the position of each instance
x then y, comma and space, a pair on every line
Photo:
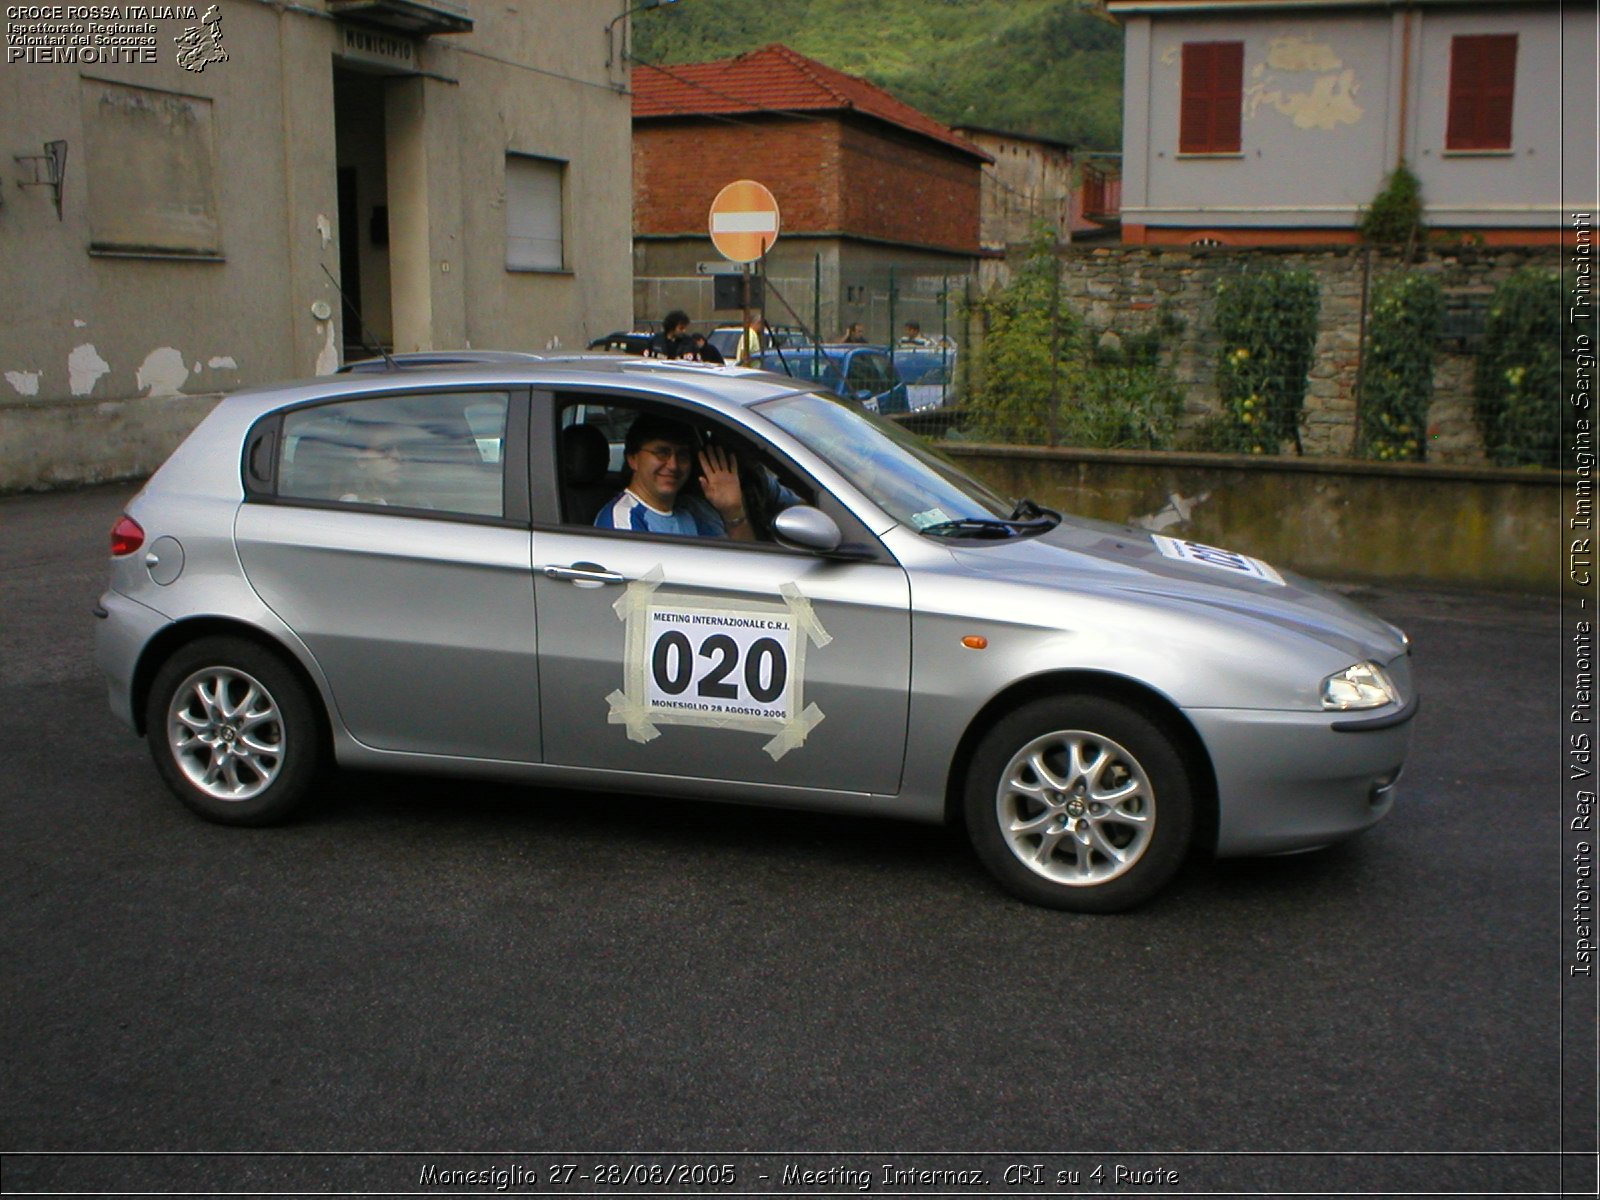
924, 367
897, 470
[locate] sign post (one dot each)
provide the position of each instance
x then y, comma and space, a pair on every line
744, 225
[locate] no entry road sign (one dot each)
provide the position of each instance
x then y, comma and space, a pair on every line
744, 221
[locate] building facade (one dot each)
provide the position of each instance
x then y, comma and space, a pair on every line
873, 194
1032, 182
1036, 181
255, 191
1251, 122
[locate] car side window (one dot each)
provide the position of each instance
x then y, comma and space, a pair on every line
868, 373
593, 470
440, 452
590, 459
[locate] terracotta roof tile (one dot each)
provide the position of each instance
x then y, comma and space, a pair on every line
776, 79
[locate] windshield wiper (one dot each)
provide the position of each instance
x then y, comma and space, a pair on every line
993, 527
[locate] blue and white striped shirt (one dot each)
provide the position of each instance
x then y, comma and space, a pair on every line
690, 517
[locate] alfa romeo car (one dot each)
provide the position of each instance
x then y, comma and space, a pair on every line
400, 570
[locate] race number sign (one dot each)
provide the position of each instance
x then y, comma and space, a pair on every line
729, 664
1214, 556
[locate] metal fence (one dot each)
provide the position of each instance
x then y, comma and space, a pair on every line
920, 317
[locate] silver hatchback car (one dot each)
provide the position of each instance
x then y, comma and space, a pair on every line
401, 570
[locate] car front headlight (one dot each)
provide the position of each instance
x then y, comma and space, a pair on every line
1363, 685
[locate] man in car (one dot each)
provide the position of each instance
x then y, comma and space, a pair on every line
660, 454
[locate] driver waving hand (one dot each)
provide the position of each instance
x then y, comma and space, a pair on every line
660, 454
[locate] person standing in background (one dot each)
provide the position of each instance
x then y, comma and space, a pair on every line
673, 341
754, 340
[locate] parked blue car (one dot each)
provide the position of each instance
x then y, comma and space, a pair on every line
929, 373
865, 374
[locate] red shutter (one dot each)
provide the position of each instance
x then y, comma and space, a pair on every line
1483, 81
1194, 115
1212, 96
1227, 108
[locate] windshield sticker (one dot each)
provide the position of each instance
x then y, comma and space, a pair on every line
1213, 556
703, 660
933, 516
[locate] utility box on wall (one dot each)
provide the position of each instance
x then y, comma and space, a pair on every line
728, 291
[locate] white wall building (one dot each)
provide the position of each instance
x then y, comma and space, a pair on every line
187, 190
1260, 121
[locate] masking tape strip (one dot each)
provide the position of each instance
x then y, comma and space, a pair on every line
636, 717
635, 597
804, 616
793, 733
629, 707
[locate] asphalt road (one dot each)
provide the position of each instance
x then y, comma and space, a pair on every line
425, 966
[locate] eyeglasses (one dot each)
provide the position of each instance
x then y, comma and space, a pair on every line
666, 451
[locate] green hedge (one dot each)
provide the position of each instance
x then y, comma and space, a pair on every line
1518, 387
1397, 369
1044, 379
1266, 322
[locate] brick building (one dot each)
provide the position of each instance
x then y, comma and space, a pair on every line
875, 196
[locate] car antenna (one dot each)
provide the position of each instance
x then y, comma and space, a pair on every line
369, 346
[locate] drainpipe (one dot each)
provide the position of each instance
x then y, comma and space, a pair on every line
1405, 85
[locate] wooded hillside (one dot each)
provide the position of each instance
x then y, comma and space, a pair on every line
1051, 68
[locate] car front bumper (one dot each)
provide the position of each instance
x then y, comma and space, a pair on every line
1295, 781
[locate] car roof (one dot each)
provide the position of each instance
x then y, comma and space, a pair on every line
413, 359
713, 385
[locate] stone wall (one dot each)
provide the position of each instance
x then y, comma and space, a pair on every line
1127, 288
1333, 519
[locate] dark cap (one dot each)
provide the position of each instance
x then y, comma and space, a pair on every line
650, 427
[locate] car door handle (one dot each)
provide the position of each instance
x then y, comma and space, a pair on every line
582, 573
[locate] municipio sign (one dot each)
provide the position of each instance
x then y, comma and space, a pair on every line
744, 221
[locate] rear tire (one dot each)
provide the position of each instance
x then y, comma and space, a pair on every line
233, 732
1080, 803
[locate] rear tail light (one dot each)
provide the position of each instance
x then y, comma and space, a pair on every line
126, 537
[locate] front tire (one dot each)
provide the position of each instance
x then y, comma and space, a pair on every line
1080, 803
233, 732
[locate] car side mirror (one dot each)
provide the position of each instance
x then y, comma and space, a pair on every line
805, 528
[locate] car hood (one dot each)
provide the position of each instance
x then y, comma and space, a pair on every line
1097, 557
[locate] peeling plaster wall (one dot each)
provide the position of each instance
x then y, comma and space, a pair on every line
158, 338
1322, 120
1312, 134
106, 359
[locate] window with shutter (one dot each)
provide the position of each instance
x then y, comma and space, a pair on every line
533, 213
1212, 97
1483, 80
